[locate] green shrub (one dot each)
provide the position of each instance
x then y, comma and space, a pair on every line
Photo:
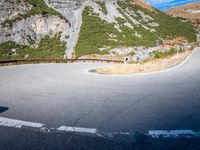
47, 48
5, 49
160, 54
103, 7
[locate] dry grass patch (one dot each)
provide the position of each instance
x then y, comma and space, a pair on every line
149, 66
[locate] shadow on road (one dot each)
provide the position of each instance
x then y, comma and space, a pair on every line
3, 109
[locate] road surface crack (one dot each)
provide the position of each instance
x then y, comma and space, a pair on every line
118, 113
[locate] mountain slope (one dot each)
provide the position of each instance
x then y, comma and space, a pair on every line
132, 26
189, 11
82, 27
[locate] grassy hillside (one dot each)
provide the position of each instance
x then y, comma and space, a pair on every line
95, 32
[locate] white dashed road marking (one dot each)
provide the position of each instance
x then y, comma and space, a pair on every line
6, 122
78, 129
173, 133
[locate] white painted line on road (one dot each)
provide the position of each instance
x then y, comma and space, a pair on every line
78, 129
6, 122
173, 133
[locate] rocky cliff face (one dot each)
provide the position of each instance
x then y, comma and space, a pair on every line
11, 9
72, 10
33, 28
20, 26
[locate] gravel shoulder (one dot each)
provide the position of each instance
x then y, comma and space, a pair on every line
153, 65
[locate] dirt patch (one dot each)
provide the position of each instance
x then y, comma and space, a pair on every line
149, 66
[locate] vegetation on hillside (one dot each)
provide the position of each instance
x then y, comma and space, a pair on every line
103, 7
168, 26
47, 48
38, 7
161, 54
97, 36
96, 33
93, 34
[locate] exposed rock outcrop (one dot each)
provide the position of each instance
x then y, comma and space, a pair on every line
11, 9
33, 28
72, 10
28, 30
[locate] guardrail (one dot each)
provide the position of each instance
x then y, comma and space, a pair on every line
53, 60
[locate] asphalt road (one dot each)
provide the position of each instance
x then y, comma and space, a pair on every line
69, 95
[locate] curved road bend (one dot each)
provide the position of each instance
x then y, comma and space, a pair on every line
66, 94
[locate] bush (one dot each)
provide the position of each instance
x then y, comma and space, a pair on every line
103, 7
47, 48
160, 54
